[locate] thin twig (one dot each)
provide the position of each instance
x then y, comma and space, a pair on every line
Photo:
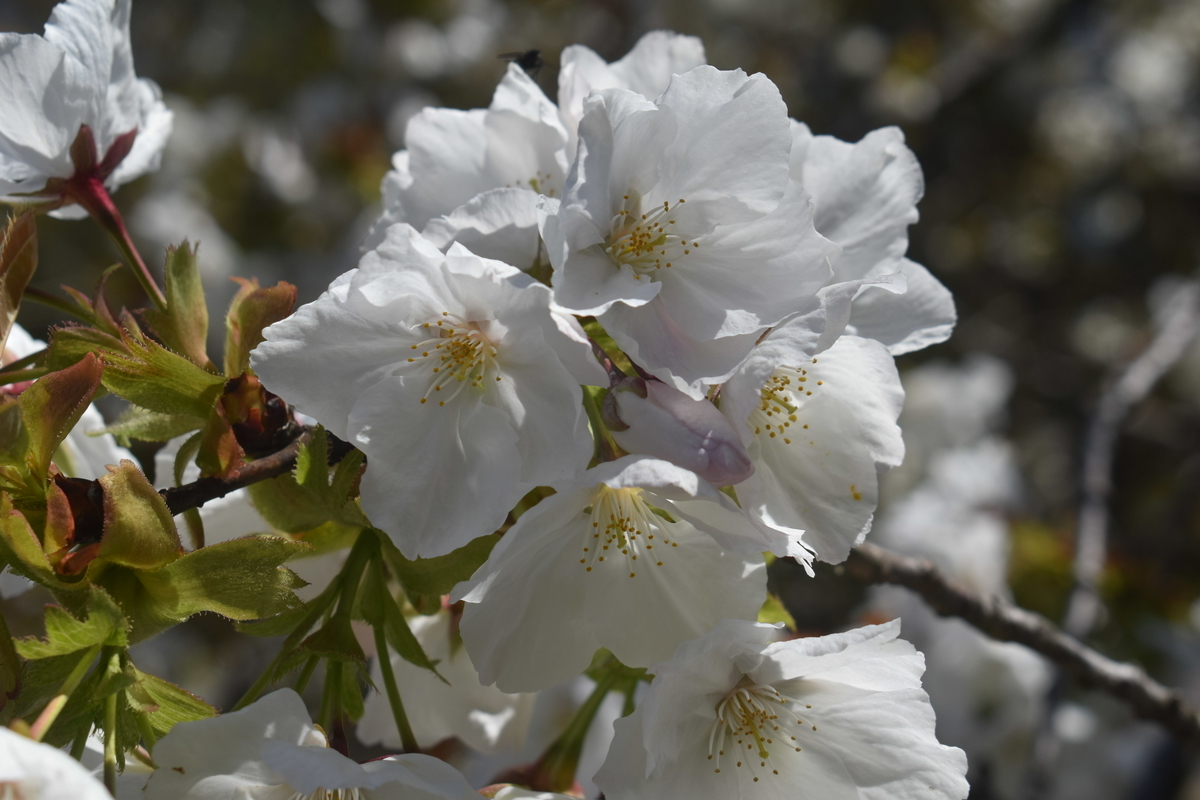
199, 492
1135, 382
1005, 622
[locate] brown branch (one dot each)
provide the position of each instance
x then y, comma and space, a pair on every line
199, 492
1005, 622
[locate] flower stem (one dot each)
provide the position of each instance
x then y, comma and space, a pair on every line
310, 667
329, 697
408, 739
110, 737
606, 448
90, 193
555, 770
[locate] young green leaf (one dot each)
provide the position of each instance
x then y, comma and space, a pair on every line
52, 406
104, 625
151, 376
18, 260
183, 326
253, 308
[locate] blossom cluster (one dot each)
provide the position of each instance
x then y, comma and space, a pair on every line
728, 289
646, 332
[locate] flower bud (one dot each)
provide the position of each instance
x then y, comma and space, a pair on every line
665, 423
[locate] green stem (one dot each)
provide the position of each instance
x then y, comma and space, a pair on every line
329, 697
556, 768
408, 739
310, 667
80, 744
110, 742
365, 550
22, 375
28, 360
47, 299
319, 606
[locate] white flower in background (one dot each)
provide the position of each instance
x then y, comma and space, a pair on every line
680, 227
735, 714
451, 373
271, 750
474, 176
665, 423
819, 422
483, 717
629, 558
80, 455
866, 197
80, 72
31, 770
646, 69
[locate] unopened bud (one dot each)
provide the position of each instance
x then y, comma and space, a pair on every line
665, 423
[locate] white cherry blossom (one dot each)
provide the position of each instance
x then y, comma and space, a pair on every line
474, 176
866, 196
451, 373
646, 69
31, 770
483, 717
79, 72
819, 420
626, 558
736, 714
519, 793
271, 750
680, 227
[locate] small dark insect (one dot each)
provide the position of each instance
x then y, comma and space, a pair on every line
528, 60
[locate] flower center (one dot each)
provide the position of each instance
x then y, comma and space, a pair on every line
646, 241
779, 399
759, 718
457, 354
330, 794
624, 526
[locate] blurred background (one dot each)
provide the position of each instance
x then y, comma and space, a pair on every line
1061, 147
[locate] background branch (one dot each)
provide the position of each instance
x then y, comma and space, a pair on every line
1005, 622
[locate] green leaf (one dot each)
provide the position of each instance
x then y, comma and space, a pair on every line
52, 406
352, 694
240, 579
183, 326
437, 576
41, 680
104, 625
335, 639
139, 531
151, 376
14, 438
73, 342
163, 703
308, 498
150, 426
18, 260
253, 309
772, 611
20, 547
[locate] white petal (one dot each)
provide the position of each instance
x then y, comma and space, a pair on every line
652, 338
499, 224
923, 315
40, 772
223, 750
823, 482
419, 472
866, 195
